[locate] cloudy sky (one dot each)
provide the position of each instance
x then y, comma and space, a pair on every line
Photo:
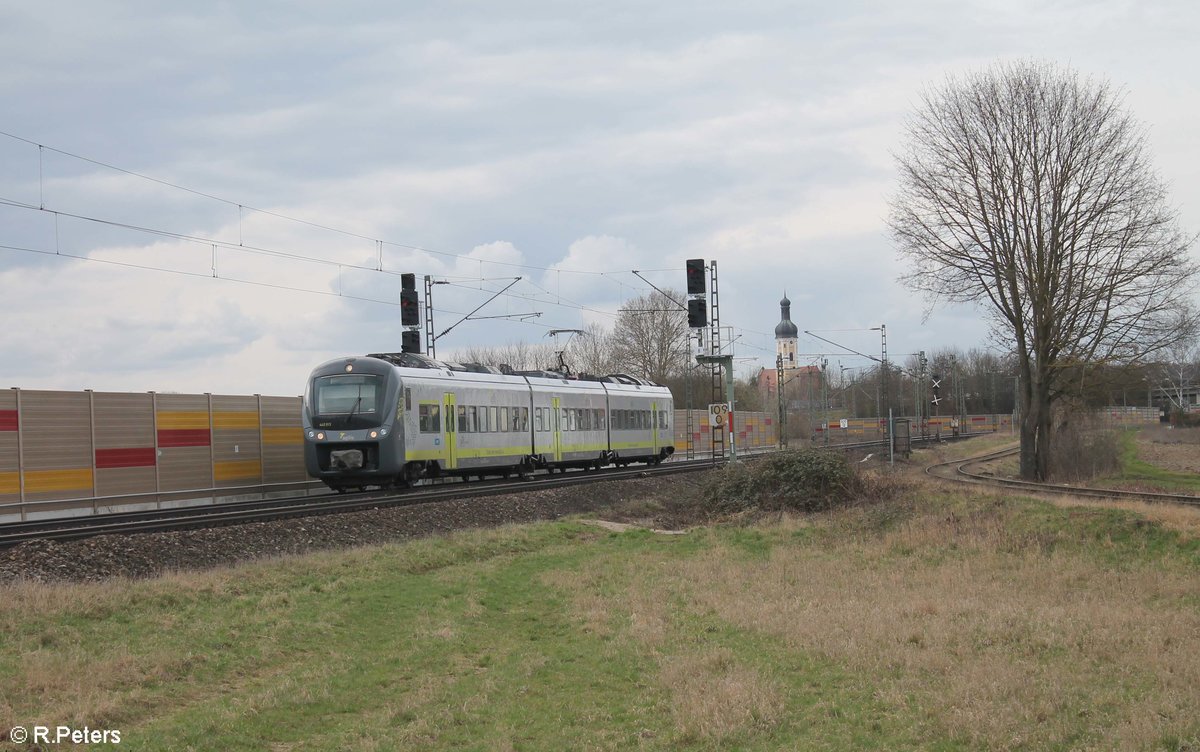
237, 174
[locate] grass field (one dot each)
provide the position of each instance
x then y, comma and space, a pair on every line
1138, 473
944, 621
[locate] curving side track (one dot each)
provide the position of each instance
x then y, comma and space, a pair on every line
961, 471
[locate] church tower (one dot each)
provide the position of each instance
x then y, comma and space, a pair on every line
785, 334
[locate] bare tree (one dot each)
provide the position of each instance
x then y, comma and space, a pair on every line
1179, 372
591, 352
518, 355
1030, 191
649, 338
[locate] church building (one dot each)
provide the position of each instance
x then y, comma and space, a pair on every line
799, 380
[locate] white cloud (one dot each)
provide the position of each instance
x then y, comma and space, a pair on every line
537, 135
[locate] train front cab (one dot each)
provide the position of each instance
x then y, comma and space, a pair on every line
352, 432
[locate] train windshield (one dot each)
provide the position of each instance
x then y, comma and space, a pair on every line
349, 394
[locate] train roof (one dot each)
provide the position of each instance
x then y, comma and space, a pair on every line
415, 360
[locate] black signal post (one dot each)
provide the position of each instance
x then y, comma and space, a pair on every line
695, 277
410, 314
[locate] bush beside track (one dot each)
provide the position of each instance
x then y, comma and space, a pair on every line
804, 480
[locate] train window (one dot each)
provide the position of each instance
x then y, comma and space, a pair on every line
355, 394
505, 422
408, 399
522, 418
494, 419
600, 419
537, 419
484, 425
472, 419
662, 419
585, 419
429, 418
462, 418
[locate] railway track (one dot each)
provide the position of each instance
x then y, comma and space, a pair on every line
241, 512
236, 513
961, 471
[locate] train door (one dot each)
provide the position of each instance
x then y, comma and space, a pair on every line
654, 425
450, 430
556, 426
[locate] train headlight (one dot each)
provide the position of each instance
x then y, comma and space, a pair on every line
383, 432
320, 437
374, 434
312, 434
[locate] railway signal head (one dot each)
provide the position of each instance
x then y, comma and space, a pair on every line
697, 313
695, 277
408, 281
410, 312
410, 341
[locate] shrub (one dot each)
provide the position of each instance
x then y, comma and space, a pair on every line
1077, 454
806, 480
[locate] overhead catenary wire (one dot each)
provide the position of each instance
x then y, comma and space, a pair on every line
215, 244
242, 207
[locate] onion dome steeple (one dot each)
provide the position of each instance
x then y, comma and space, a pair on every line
785, 329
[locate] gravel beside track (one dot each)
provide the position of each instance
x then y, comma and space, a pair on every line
150, 554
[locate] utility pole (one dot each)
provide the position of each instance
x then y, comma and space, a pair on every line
825, 400
782, 427
725, 362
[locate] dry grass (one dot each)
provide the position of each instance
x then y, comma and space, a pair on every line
965, 621
1181, 519
1006, 638
989, 632
1170, 435
714, 696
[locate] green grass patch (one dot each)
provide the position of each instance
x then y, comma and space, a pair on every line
950, 621
1138, 472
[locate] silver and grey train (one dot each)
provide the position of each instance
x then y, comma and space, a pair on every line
391, 419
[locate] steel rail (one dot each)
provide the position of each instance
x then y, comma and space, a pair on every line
961, 474
260, 510
218, 515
